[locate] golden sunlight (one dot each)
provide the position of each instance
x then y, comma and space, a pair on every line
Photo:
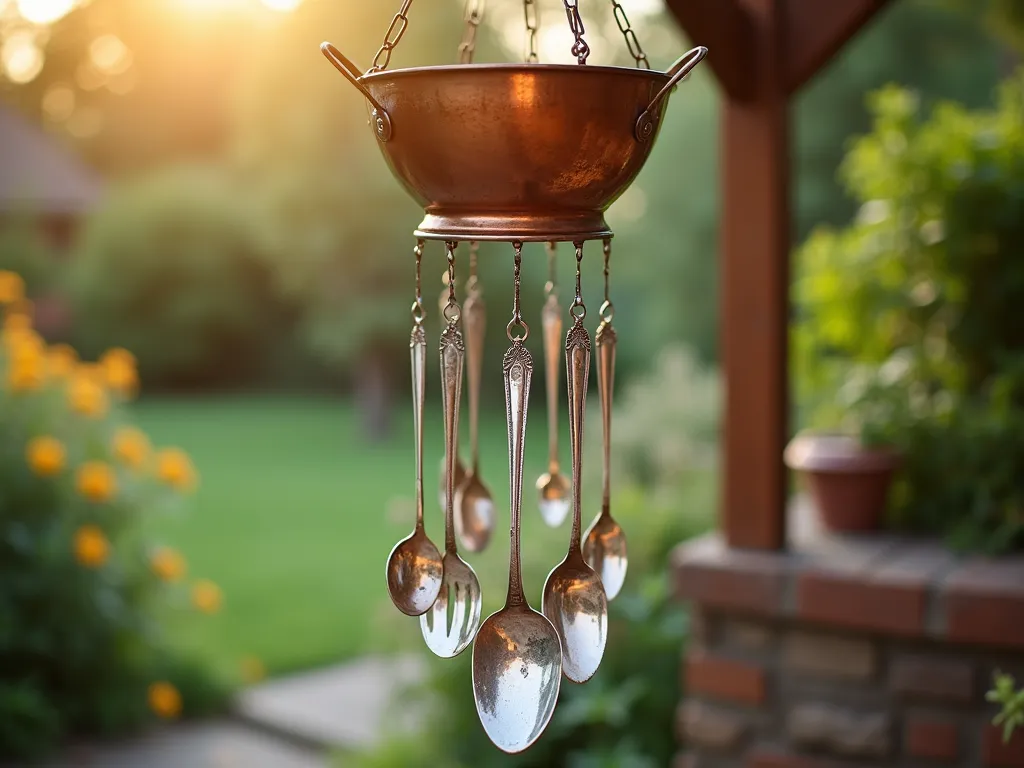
45, 11
21, 58
282, 5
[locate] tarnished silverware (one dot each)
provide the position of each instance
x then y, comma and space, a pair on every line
552, 486
517, 656
604, 543
450, 624
414, 568
474, 508
574, 598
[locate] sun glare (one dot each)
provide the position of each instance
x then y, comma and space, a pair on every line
282, 5
45, 11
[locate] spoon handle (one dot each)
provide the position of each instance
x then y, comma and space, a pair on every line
418, 355
474, 321
453, 352
518, 367
605, 339
551, 319
577, 367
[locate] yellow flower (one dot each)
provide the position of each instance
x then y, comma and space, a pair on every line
46, 456
168, 564
91, 547
86, 395
175, 468
96, 481
252, 670
164, 700
12, 287
131, 447
120, 372
26, 373
206, 596
61, 361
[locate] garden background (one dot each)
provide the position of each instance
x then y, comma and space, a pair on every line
253, 255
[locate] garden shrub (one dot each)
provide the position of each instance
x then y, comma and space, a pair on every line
912, 314
80, 580
176, 268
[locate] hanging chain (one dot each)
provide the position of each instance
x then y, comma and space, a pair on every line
391, 38
473, 284
418, 312
632, 42
580, 49
517, 313
474, 15
452, 311
552, 284
607, 309
530, 13
578, 310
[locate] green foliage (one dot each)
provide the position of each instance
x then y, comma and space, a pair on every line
1005, 693
911, 315
79, 579
175, 267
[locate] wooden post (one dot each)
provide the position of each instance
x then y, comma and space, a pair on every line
761, 52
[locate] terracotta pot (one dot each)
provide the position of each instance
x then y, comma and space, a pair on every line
848, 482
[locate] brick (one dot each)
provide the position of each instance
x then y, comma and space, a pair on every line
703, 725
932, 678
997, 754
723, 678
931, 738
708, 572
839, 731
746, 635
829, 656
984, 601
856, 602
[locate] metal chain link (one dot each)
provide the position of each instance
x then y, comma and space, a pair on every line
474, 15
517, 313
552, 284
392, 37
530, 14
632, 42
578, 310
452, 312
473, 283
418, 312
580, 49
607, 309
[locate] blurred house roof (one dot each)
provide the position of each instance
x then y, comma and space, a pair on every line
39, 174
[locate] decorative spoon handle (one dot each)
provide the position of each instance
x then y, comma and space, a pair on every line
577, 370
474, 320
453, 353
551, 318
518, 367
605, 340
418, 355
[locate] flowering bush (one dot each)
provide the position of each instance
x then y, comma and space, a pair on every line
80, 648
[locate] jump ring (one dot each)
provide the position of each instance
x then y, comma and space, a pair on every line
452, 313
607, 312
578, 311
418, 312
517, 322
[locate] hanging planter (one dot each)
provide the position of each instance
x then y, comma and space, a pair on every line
848, 481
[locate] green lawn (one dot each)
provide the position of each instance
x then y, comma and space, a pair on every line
296, 514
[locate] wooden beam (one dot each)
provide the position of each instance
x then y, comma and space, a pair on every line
755, 242
818, 29
724, 26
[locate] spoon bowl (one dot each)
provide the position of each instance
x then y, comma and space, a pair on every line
415, 571
575, 603
516, 676
554, 497
474, 514
604, 549
449, 625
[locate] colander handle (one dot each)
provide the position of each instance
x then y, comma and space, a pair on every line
379, 118
682, 67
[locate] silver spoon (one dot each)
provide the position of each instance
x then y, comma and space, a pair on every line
604, 543
414, 568
517, 658
552, 486
450, 624
474, 509
574, 598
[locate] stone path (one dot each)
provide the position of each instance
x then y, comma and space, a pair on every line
293, 722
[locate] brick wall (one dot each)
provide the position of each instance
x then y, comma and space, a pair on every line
871, 651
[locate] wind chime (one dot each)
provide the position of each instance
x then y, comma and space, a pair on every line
519, 153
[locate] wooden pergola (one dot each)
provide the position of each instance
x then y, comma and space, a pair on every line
762, 53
